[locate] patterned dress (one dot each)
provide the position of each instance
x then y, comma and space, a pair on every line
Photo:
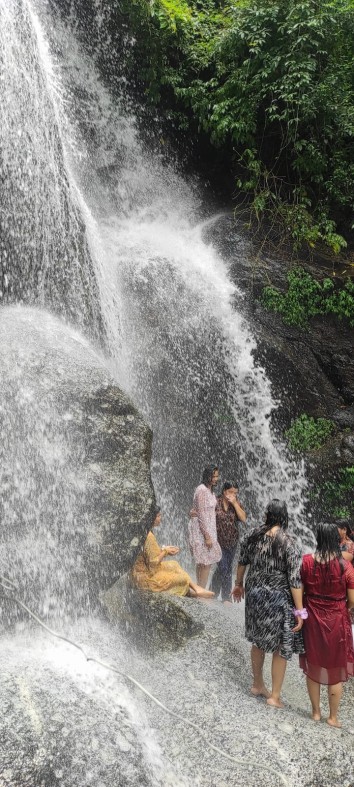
164, 577
269, 603
203, 525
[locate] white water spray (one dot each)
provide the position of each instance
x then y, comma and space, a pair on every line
177, 337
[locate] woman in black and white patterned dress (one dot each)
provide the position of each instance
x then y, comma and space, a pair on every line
272, 590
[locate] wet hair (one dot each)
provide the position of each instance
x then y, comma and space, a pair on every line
328, 543
345, 525
229, 485
276, 514
208, 473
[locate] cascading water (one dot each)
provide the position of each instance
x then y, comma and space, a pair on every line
44, 255
101, 232
177, 338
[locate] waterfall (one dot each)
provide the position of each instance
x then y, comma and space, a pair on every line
110, 251
132, 255
44, 255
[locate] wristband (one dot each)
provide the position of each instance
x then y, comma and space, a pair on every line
301, 613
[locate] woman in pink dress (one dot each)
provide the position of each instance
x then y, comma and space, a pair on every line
328, 582
202, 526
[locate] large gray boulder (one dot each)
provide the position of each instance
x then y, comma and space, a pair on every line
151, 621
76, 494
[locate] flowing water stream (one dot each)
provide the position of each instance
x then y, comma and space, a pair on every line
107, 235
173, 322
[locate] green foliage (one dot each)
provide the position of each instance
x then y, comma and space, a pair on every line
271, 83
308, 434
337, 496
306, 297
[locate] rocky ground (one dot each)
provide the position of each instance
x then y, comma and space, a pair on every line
208, 683
71, 723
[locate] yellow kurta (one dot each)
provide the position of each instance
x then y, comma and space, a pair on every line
165, 577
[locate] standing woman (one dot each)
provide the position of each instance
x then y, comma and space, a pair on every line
229, 513
272, 590
202, 526
328, 582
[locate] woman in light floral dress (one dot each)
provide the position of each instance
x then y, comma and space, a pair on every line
202, 526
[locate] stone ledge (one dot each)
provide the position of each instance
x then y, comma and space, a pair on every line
152, 621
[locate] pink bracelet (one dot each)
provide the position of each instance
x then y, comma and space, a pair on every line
301, 613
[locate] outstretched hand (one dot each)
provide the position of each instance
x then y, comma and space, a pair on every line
238, 592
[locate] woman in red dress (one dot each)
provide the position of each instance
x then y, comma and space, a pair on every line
328, 583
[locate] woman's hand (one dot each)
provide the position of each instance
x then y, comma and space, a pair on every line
238, 592
193, 513
299, 625
231, 496
171, 550
208, 541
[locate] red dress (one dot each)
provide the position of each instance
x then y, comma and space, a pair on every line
328, 639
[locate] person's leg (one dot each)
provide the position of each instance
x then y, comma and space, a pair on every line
334, 698
226, 573
313, 689
216, 581
257, 661
202, 575
199, 592
278, 674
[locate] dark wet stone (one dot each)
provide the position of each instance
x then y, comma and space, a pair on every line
151, 620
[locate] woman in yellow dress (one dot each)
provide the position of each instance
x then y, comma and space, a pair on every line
152, 572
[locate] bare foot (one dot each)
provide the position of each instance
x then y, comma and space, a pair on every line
316, 716
202, 593
261, 692
334, 722
227, 602
274, 703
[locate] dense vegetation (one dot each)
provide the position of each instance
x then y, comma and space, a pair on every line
337, 495
308, 434
270, 84
307, 297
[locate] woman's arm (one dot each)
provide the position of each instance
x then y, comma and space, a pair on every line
236, 505
240, 512
201, 507
350, 598
153, 553
297, 594
238, 590
349, 580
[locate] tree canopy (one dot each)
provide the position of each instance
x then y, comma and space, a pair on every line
271, 84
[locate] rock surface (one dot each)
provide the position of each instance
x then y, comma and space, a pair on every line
150, 620
77, 498
68, 722
312, 369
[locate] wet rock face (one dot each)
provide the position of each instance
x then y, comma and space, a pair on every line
151, 621
77, 498
58, 727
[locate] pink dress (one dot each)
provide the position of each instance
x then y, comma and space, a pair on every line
202, 525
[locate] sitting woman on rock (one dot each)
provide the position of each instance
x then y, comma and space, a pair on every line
152, 572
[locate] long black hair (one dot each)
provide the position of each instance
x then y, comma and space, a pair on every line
276, 514
328, 544
229, 485
208, 473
